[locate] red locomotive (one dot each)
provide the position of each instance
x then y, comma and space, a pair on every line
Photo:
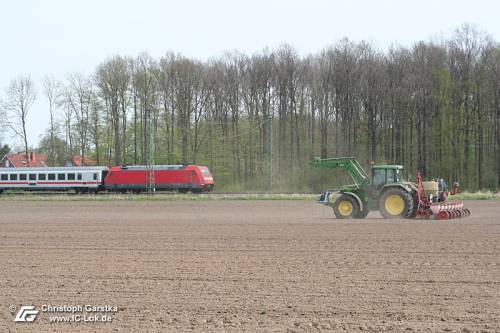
136, 178
194, 178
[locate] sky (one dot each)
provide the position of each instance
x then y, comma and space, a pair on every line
59, 37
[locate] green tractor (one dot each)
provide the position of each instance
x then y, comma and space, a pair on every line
384, 190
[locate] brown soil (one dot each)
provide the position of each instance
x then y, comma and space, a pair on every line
248, 266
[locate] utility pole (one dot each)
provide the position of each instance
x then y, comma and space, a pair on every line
270, 149
151, 159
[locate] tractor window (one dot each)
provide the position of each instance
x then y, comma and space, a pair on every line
390, 175
378, 177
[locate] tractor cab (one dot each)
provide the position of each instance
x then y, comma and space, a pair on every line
386, 174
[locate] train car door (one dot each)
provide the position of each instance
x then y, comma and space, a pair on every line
32, 180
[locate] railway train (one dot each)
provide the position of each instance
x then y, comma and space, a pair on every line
134, 178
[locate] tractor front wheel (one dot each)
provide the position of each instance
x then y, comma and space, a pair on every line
346, 207
363, 213
395, 202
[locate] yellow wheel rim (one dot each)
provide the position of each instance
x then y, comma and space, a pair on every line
345, 207
394, 204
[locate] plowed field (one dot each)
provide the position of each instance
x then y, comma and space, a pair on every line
247, 266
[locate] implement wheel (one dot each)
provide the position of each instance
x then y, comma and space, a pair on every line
346, 207
395, 202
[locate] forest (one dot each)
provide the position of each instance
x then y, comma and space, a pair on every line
258, 119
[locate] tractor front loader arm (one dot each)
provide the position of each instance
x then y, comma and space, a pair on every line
350, 164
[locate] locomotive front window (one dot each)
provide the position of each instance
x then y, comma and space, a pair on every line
61, 176
71, 176
13, 176
5, 176
41, 176
52, 176
23, 176
32, 176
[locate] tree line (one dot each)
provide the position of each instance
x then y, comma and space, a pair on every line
257, 120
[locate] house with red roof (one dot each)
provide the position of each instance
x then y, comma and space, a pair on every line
23, 160
78, 161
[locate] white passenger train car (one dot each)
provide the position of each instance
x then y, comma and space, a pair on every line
80, 179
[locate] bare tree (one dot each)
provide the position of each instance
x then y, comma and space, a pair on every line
53, 91
112, 79
21, 95
78, 97
145, 81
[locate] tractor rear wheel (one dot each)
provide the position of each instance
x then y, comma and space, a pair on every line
346, 207
413, 212
395, 202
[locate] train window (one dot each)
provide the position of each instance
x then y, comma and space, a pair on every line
22, 176
52, 176
79, 176
95, 176
13, 176
5, 176
41, 176
61, 176
32, 176
71, 176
